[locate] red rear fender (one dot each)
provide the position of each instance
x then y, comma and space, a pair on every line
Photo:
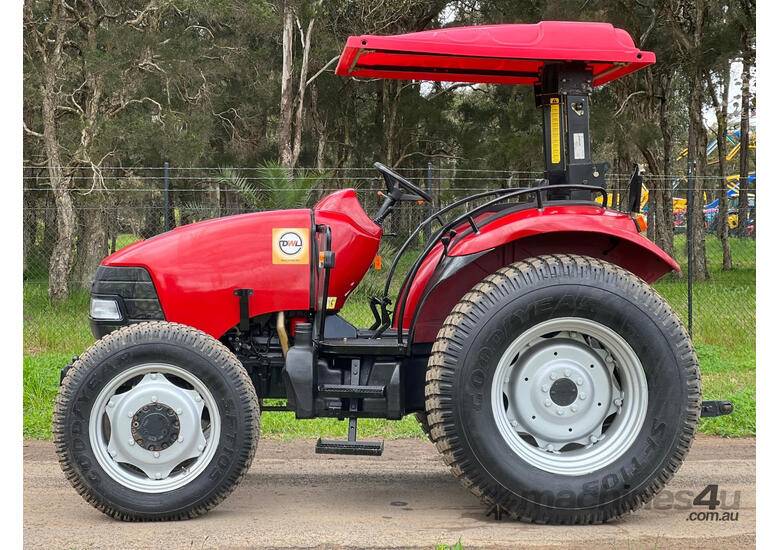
573, 229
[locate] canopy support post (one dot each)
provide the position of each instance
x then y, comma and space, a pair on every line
563, 94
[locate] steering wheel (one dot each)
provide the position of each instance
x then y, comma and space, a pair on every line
389, 176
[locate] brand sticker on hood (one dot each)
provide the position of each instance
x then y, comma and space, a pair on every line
290, 245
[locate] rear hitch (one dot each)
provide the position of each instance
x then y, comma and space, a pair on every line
716, 408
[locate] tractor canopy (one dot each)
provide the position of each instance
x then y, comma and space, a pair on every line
562, 60
499, 54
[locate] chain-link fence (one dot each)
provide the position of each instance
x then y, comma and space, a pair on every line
118, 206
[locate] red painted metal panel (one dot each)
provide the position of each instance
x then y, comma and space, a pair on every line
196, 267
355, 241
501, 54
576, 229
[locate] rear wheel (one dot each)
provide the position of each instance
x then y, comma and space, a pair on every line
563, 389
422, 418
156, 421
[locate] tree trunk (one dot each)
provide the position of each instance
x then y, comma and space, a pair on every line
744, 139
285, 131
92, 245
320, 128
391, 91
29, 229
61, 259
721, 112
697, 150
664, 203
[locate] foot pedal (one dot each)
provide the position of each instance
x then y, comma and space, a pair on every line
370, 448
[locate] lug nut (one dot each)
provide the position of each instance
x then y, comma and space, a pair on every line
130, 441
514, 423
156, 454
154, 399
549, 447
552, 376
579, 381
618, 402
158, 475
201, 447
547, 403
198, 397
560, 412
545, 387
178, 411
574, 408
593, 439
112, 452
567, 372
111, 403
130, 414
583, 396
181, 439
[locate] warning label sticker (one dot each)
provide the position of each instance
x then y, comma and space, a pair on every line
579, 146
555, 131
290, 245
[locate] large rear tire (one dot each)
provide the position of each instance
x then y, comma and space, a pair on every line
156, 421
563, 389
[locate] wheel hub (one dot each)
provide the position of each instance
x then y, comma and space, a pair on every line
155, 427
559, 392
563, 392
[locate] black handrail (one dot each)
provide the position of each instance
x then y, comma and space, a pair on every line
406, 287
429, 219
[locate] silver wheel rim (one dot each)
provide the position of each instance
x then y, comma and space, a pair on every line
569, 396
151, 394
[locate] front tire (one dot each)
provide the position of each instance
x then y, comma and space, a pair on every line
563, 389
156, 421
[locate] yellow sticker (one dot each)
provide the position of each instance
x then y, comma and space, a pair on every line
290, 245
555, 131
331, 302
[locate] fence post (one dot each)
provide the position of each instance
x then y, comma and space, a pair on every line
689, 239
429, 208
166, 221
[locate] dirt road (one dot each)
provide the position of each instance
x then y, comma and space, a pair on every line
407, 498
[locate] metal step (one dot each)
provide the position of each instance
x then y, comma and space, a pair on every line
371, 448
350, 392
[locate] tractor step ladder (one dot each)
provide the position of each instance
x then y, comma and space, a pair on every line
353, 391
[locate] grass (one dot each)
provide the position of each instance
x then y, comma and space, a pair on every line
724, 334
724, 330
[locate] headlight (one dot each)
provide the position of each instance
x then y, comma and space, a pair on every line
104, 309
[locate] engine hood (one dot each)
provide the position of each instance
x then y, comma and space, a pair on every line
195, 268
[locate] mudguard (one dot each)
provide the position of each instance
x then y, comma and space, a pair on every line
509, 236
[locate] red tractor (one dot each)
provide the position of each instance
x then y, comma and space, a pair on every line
557, 384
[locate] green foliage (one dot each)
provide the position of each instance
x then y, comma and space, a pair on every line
444, 546
275, 187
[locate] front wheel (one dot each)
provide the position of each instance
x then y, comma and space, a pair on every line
563, 389
156, 421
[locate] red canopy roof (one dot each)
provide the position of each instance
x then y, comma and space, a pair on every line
502, 54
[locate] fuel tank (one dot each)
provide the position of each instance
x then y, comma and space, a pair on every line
196, 268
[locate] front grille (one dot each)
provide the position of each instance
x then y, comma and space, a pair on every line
134, 287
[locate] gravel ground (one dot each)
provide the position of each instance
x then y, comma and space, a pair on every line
407, 498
